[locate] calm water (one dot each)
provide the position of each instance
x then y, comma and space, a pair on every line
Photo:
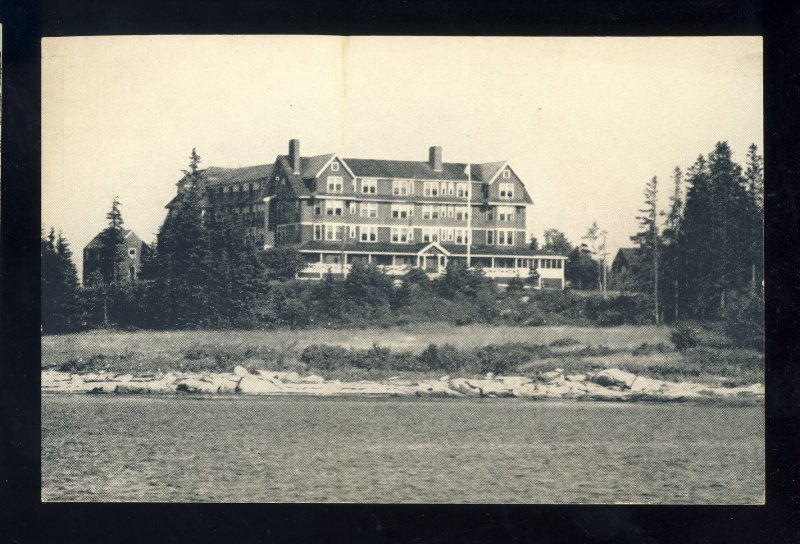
318, 450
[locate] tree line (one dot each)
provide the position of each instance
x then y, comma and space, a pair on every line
699, 259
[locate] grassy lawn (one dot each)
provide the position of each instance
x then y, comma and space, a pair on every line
149, 351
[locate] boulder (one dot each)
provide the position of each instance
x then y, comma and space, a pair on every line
251, 385
436, 388
463, 386
313, 379
239, 370
614, 377
576, 377
196, 386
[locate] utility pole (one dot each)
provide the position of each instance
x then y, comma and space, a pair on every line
468, 170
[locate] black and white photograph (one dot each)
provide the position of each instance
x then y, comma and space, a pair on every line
399, 269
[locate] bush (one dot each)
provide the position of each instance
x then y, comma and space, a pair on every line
647, 349
563, 342
684, 337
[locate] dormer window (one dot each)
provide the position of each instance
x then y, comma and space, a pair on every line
506, 174
334, 166
132, 252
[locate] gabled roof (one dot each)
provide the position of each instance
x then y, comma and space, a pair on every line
629, 254
127, 234
216, 175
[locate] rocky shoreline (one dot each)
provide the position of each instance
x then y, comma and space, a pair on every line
604, 385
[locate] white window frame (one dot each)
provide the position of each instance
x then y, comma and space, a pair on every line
462, 213
506, 174
402, 211
505, 213
402, 187
369, 209
430, 188
506, 190
398, 233
368, 233
318, 231
369, 186
334, 166
430, 235
489, 237
333, 233
460, 236
505, 237
132, 252
462, 190
335, 184
331, 207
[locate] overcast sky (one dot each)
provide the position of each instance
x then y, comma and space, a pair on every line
585, 122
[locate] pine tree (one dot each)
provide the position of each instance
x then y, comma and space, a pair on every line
671, 268
59, 288
694, 239
111, 241
180, 266
647, 240
754, 176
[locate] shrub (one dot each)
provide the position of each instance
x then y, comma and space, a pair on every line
684, 337
284, 262
563, 342
647, 349
445, 358
515, 285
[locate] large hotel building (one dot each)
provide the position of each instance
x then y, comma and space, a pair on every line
394, 214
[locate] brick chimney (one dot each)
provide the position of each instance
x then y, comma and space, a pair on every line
435, 158
294, 155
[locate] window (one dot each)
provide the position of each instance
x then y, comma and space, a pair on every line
503, 262
559, 263
351, 206
402, 187
334, 184
369, 186
352, 229
505, 213
506, 190
318, 232
334, 166
430, 235
461, 236
462, 213
430, 188
451, 188
446, 235
506, 174
382, 260
333, 232
369, 209
524, 263
334, 207
443, 188
461, 190
505, 237
402, 235
430, 212
369, 234
402, 211
318, 208
132, 252
489, 237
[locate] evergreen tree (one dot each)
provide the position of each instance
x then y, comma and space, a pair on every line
647, 240
754, 176
180, 266
111, 241
672, 270
59, 287
694, 237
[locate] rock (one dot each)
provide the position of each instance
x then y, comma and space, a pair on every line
196, 385
286, 377
614, 376
464, 387
576, 378
436, 388
489, 375
241, 371
444, 379
313, 379
251, 385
